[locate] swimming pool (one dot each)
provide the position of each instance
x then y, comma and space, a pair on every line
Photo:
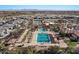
43, 38
42, 29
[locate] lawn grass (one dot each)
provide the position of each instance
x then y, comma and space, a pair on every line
71, 44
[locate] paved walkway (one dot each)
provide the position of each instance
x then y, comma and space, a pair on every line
22, 36
77, 46
30, 44
62, 44
12, 41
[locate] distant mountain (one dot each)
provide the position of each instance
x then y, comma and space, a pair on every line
35, 11
42, 10
20, 10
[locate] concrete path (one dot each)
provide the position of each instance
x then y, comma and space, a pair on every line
62, 44
77, 46
12, 41
22, 36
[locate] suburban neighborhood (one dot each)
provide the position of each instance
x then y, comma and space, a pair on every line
39, 32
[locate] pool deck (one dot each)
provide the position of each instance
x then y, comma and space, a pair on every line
34, 41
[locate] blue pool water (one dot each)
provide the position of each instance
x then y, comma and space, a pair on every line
43, 37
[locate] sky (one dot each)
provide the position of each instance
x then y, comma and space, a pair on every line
40, 7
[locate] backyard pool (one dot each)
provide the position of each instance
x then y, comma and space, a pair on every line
43, 38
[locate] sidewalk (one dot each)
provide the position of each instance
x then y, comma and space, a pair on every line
62, 44
22, 36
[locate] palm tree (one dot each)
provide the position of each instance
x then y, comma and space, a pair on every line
53, 50
3, 49
23, 50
